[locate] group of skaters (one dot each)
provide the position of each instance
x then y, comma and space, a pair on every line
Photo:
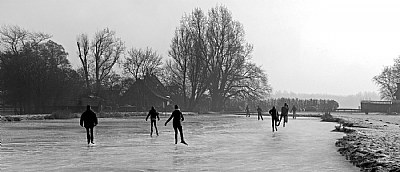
276, 121
176, 117
89, 121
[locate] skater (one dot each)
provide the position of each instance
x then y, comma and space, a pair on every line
176, 123
89, 121
259, 110
275, 118
247, 111
294, 109
153, 114
284, 114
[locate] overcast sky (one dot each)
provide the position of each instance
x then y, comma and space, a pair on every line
309, 46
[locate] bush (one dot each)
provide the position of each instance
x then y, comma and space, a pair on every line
119, 114
61, 114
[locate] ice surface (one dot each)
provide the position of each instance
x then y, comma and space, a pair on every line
216, 143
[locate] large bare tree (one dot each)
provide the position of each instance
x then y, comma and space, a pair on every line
83, 51
211, 57
189, 61
99, 56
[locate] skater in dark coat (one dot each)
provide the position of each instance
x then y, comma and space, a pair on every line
153, 114
259, 110
275, 118
176, 123
294, 110
89, 121
247, 111
284, 114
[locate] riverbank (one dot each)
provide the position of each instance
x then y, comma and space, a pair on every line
374, 144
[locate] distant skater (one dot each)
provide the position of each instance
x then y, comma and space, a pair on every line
275, 118
284, 114
294, 109
153, 114
176, 123
247, 111
259, 110
89, 121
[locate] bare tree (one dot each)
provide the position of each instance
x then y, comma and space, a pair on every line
141, 62
180, 48
14, 38
387, 83
83, 51
210, 54
228, 54
106, 49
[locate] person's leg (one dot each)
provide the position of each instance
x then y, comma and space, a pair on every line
181, 132
87, 135
176, 134
91, 135
273, 125
155, 126
151, 128
284, 120
261, 117
280, 119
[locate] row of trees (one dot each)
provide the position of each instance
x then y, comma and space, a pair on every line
313, 105
210, 62
34, 71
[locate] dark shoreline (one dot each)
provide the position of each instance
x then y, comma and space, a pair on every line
10, 118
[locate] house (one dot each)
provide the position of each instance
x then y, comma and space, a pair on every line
388, 106
145, 93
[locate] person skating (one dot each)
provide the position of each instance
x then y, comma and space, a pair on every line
275, 118
177, 116
294, 110
284, 114
153, 114
247, 111
89, 121
259, 110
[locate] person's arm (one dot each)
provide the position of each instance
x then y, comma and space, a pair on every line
147, 116
169, 119
158, 116
182, 116
81, 121
95, 119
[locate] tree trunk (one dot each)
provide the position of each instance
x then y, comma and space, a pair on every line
216, 102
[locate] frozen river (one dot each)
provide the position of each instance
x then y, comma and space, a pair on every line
216, 143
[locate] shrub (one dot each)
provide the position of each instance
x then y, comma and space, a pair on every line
62, 114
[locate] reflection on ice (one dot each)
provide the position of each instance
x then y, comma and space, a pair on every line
227, 143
